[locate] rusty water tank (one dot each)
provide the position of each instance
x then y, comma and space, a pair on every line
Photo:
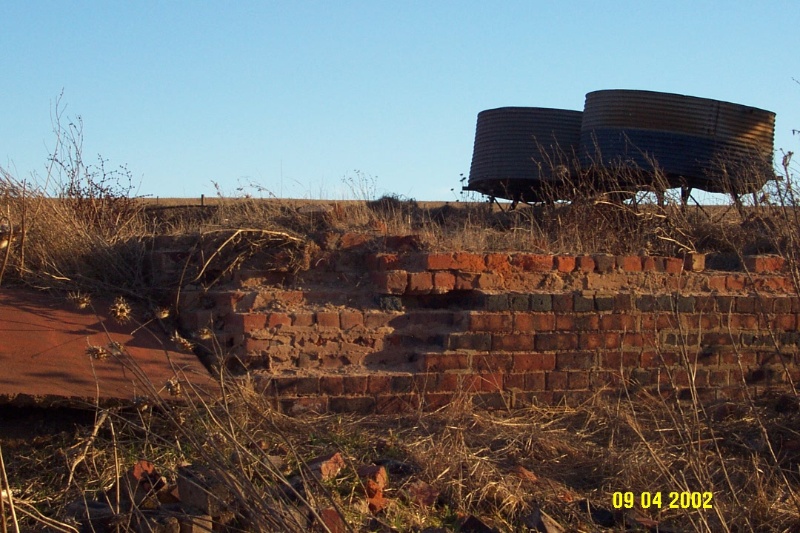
695, 142
519, 151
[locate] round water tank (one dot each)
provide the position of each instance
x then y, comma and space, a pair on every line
520, 150
695, 142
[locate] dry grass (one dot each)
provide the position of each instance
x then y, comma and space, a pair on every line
745, 454
80, 230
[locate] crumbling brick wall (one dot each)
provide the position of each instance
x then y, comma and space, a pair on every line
395, 332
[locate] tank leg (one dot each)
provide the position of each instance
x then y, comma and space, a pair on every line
686, 192
661, 199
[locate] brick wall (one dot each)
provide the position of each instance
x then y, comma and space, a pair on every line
393, 332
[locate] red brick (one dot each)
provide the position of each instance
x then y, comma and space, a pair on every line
614, 359
443, 282
494, 362
489, 382
578, 380
327, 319
648, 264
773, 283
556, 341
658, 321
630, 263
377, 384
533, 262
355, 384
466, 281
442, 362
649, 359
278, 319
562, 302
396, 404
585, 263
763, 263
604, 262
420, 283
534, 322
351, 240
717, 377
351, 319
784, 322
302, 319
440, 261
302, 406
535, 381
619, 322
575, 360
470, 383
498, 263
331, 385
512, 342
593, 341
673, 265
493, 322
390, 282
739, 322
384, 262
527, 362
433, 401
447, 382
635, 340
514, 381
694, 262
565, 263
469, 262
556, 381
403, 383
489, 281
577, 323
377, 319
470, 341
735, 282
245, 322
331, 519
716, 283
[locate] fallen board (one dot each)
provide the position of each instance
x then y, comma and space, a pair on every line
45, 357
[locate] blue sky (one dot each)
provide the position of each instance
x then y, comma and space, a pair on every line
296, 96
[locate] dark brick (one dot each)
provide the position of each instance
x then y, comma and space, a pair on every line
604, 262
519, 302
562, 302
583, 304
686, 304
556, 341
496, 302
527, 362
442, 362
575, 360
494, 322
556, 381
494, 362
361, 405
470, 341
578, 380
515, 342
604, 303
541, 302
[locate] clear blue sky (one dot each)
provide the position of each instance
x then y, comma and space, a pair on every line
298, 95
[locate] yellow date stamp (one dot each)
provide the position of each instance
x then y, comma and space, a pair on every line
659, 500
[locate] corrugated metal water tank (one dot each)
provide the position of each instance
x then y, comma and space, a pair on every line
518, 150
697, 142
